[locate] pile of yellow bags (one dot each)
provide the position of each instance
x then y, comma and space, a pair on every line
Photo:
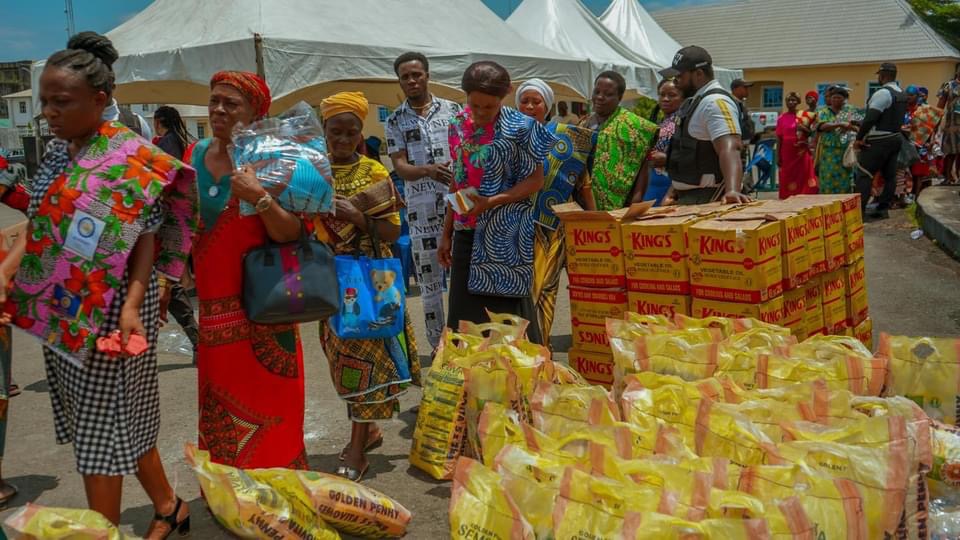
34, 521
715, 428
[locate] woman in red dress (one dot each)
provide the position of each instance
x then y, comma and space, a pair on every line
795, 160
250, 376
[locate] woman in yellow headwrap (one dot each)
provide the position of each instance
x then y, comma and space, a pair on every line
364, 371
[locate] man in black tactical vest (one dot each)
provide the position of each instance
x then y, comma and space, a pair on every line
704, 156
879, 141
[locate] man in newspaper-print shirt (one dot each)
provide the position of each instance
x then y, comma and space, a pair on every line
417, 143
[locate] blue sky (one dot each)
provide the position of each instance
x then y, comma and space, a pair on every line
33, 29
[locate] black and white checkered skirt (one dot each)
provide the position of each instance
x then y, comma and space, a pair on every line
110, 408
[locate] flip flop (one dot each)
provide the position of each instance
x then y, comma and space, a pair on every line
13, 493
352, 474
372, 445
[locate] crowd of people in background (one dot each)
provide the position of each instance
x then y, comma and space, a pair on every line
168, 214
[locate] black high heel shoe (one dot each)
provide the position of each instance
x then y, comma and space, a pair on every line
182, 528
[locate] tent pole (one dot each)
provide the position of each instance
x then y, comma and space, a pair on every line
258, 51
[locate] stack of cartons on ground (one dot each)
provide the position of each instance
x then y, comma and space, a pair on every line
595, 268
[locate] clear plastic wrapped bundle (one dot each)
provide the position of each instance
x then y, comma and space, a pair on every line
289, 154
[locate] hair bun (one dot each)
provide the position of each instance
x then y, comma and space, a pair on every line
95, 44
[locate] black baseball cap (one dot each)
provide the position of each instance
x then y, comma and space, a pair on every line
737, 83
887, 67
687, 59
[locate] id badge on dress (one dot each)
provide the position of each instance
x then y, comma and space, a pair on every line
84, 234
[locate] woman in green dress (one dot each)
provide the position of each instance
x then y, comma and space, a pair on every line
836, 125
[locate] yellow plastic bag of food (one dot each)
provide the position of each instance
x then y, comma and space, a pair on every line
557, 373
946, 455
882, 474
721, 430
34, 521
502, 328
722, 326
258, 503
926, 370
862, 376
439, 436
834, 507
353, 508
480, 508
532, 482
764, 338
556, 405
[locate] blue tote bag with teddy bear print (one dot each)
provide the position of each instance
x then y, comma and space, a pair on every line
372, 298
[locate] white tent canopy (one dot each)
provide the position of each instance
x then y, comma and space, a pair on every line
633, 25
169, 50
568, 27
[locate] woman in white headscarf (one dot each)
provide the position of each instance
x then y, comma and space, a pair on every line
566, 177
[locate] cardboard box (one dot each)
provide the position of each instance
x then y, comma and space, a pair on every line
589, 310
655, 253
864, 332
594, 244
856, 293
833, 227
793, 238
795, 312
835, 302
735, 260
596, 367
816, 246
770, 311
813, 304
852, 225
658, 304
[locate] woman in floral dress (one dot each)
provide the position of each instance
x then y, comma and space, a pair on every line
836, 126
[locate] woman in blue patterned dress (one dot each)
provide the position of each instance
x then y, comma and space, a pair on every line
836, 125
487, 240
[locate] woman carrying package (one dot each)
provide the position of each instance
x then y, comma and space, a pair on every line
250, 376
369, 374
110, 218
487, 241
565, 179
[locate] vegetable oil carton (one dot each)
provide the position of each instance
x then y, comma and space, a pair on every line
813, 305
770, 311
793, 238
856, 295
816, 246
655, 253
736, 260
589, 310
833, 227
667, 305
594, 244
795, 312
596, 367
835, 302
852, 224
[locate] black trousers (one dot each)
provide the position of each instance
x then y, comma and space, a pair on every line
466, 306
879, 155
182, 310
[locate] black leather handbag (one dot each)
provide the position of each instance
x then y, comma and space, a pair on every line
290, 283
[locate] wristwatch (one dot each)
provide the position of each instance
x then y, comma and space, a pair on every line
263, 204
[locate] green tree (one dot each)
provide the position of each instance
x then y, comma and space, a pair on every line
942, 15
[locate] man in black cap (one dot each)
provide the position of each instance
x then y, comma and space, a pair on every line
704, 157
879, 141
741, 90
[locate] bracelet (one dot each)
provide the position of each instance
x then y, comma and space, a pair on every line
163, 282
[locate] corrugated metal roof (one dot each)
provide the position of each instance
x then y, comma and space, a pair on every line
780, 33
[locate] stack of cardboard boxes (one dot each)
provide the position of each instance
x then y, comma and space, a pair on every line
797, 263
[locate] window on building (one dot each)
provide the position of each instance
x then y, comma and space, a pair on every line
23, 107
201, 132
145, 108
383, 113
773, 97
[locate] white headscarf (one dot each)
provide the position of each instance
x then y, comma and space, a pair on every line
541, 88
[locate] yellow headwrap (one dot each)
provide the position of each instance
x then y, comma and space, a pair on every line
345, 102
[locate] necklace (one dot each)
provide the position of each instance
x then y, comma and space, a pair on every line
424, 106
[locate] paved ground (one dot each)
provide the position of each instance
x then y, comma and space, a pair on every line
914, 288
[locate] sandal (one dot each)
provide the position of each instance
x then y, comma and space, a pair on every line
352, 474
372, 445
12, 492
13, 390
181, 527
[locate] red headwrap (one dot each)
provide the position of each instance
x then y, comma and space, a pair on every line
814, 94
250, 85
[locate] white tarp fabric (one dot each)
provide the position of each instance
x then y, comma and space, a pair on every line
567, 26
170, 49
637, 29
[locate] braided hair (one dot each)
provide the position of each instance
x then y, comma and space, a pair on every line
91, 56
169, 118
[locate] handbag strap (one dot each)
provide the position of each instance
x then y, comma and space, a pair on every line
374, 239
